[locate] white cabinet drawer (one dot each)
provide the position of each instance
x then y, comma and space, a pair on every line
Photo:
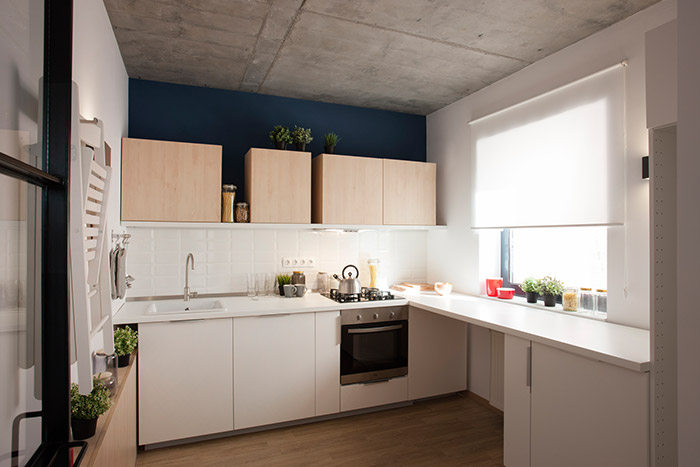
360, 396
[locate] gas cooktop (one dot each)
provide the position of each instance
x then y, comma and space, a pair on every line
367, 294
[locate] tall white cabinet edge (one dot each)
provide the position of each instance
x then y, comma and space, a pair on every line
564, 409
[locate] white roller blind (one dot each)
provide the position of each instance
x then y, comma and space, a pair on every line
557, 159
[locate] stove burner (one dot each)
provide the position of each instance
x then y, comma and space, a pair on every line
366, 295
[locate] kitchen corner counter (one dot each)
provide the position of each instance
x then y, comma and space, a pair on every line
623, 346
619, 345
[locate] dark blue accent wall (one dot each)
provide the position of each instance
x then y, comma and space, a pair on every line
240, 120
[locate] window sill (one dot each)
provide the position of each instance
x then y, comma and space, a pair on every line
556, 309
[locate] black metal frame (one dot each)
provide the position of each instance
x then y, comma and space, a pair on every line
55, 155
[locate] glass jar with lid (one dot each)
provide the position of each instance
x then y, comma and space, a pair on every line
586, 300
569, 299
373, 264
228, 195
242, 212
601, 302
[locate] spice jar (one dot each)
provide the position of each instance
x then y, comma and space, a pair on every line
586, 300
601, 301
569, 299
228, 195
242, 212
298, 277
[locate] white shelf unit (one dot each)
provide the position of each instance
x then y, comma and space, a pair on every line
255, 226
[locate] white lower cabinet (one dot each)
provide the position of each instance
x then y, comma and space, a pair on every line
274, 369
327, 362
437, 354
363, 395
185, 379
564, 409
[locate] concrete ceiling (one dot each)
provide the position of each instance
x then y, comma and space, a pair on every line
412, 56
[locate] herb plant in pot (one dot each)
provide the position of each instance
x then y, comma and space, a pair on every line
331, 141
551, 288
531, 287
301, 137
283, 279
280, 137
125, 340
86, 409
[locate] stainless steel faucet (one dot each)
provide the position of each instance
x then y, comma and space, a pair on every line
187, 295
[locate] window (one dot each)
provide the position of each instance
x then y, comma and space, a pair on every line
575, 255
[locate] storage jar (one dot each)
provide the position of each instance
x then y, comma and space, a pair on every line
569, 299
228, 195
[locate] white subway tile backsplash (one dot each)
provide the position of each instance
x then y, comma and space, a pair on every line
223, 258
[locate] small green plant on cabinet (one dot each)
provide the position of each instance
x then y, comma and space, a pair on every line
90, 406
301, 135
280, 134
531, 285
550, 286
332, 139
125, 340
283, 279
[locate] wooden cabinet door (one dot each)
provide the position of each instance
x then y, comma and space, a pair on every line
409, 192
516, 402
347, 190
437, 355
327, 362
185, 379
278, 186
585, 412
274, 369
170, 182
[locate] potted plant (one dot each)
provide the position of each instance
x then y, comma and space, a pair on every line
531, 287
280, 137
551, 288
331, 141
86, 409
125, 340
301, 137
283, 279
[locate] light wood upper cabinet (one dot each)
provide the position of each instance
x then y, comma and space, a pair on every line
278, 186
409, 192
347, 190
170, 182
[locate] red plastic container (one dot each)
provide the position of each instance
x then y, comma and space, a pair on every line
506, 293
492, 285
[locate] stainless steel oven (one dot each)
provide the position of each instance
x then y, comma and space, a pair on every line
374, 344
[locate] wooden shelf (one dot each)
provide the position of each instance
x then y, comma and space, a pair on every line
254, 226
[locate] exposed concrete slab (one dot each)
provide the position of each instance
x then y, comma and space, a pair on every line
405, 55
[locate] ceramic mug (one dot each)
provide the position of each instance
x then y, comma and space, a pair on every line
300, 289
289, 290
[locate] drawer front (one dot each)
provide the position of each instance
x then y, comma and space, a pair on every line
360, 396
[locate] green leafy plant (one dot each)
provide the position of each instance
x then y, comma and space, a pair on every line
283, 279
332, 139
280, 134
92, 405
301, 135
125, 340
530, 284
551, 286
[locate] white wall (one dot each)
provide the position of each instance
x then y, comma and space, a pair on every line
99, 71
688, 224
454, 253
223, 257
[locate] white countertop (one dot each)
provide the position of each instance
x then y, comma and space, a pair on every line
611, 343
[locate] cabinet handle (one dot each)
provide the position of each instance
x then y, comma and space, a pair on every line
528, 376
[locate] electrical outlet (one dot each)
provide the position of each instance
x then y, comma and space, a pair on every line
299, 262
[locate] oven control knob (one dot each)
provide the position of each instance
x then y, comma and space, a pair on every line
359, 317
392, 314
376, 316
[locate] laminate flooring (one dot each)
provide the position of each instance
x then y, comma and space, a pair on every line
449, 431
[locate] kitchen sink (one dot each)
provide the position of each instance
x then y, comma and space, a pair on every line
180, 306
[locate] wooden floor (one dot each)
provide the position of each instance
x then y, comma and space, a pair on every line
450, 431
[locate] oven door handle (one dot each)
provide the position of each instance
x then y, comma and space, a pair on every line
371, 330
